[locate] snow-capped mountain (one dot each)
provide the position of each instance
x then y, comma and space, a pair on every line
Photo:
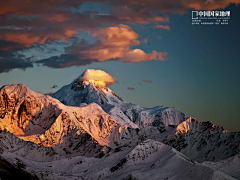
85, 91
86, 131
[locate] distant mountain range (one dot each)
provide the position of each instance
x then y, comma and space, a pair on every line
86, 131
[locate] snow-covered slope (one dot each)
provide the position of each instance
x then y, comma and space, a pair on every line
157, 116
204, 141
9, 143
148, 160
230, 166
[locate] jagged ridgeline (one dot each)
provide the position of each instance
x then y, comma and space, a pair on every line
94, 134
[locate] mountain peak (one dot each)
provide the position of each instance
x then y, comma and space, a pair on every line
90, 86
100, 77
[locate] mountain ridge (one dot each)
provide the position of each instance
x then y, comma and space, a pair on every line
86, 120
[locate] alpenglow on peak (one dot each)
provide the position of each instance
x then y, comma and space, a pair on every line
99, 75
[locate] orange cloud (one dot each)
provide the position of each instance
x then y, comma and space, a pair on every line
69, 32
122, 35
56, 18
28, 38
138, 55
114, 43
162, 27
24, 38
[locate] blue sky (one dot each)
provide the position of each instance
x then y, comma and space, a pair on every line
200, 75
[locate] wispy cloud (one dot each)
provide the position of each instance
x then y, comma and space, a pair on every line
162, 27
54, 86
130, 88
147, 81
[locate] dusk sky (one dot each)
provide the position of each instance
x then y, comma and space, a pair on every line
151, 47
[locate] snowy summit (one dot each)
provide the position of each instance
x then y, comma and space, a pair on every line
99, 75
89, 87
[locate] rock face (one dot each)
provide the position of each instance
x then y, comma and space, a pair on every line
86, 131
18, 105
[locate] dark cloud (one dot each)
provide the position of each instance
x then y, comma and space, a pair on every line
135, 14
55, 25
9, 63
130, 88
54, 86
10, 45
9, 59
65, 60
33, 7
147, 81
143, 8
